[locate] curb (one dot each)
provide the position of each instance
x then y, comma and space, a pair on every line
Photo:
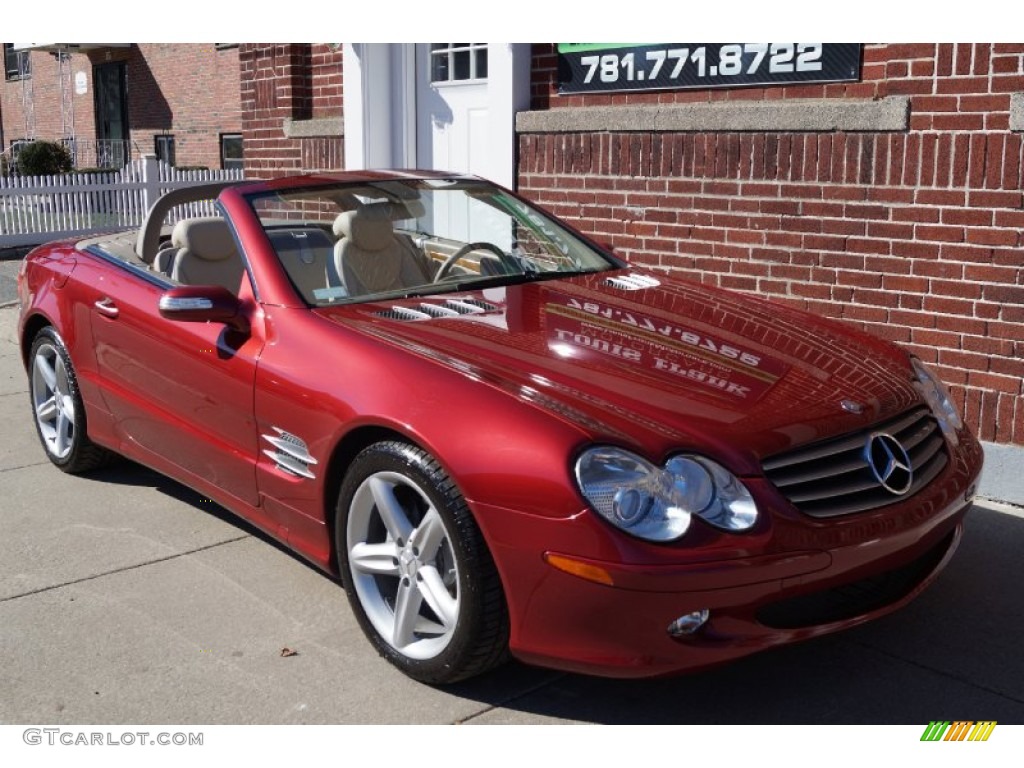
15, 254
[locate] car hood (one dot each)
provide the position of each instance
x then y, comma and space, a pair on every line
657, 363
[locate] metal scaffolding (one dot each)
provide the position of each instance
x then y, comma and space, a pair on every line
66, 87
27, 97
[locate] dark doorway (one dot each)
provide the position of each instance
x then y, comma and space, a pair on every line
111, 115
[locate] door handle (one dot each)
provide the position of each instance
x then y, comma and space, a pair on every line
107, 307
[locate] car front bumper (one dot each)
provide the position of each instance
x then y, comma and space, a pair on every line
849, 571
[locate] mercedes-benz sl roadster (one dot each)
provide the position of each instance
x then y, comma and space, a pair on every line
502, 438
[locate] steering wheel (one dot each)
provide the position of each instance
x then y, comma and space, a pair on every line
468, 248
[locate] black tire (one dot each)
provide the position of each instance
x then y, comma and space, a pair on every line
53, 393
451, 587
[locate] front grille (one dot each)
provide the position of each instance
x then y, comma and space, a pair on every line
832, 477
857, 598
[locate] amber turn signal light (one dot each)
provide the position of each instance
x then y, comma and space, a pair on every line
587, 571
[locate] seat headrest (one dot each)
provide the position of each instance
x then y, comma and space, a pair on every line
397, 211
207, 238
369, 227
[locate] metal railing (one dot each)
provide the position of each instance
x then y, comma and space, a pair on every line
101, 153
85, 153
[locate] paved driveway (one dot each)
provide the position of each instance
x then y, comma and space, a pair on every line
125, 598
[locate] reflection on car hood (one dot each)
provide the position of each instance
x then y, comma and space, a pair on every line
663, 365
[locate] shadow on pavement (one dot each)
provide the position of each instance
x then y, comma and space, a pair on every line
123, 471
953, 654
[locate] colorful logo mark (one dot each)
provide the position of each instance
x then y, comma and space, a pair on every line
961, 730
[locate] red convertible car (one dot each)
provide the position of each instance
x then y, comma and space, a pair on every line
501, 437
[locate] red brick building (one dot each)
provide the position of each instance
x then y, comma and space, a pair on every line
112, 102
291, 108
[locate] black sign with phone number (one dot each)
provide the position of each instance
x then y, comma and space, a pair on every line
584, 67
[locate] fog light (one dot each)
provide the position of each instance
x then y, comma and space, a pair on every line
688, 623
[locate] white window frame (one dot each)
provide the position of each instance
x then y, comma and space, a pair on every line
449, 50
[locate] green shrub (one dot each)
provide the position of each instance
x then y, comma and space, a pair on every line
43, 158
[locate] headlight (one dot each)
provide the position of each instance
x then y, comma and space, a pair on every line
657, 503
934, 393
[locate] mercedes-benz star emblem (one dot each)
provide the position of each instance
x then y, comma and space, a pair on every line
889, 463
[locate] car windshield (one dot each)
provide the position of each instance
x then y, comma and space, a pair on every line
383, 239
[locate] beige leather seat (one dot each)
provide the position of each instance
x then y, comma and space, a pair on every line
164, 260
206, 254
371, 258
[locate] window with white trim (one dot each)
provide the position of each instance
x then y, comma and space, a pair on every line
457, 62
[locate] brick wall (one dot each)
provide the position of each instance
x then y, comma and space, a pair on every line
325, 81
914, 235
46, 100
188, 90
295, 82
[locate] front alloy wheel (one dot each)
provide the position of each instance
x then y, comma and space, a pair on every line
416, 568
402, 565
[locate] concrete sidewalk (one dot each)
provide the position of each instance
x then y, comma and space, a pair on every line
8, 279
125, 598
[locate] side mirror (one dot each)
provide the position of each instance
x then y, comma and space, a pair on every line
204, 304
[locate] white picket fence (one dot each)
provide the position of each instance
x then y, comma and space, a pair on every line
36, 209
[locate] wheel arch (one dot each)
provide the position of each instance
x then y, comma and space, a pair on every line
344, 452
476, 639
34, 323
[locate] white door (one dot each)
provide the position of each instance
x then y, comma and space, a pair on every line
444, 106
453, 131
452, 123
441, 106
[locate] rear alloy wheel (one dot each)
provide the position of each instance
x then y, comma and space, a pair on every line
416, 568
57, 406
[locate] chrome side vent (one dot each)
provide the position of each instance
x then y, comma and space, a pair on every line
439, 310
632, 282
478, 303
465, 307
428, 311
403, 313
834, 477
290, 454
